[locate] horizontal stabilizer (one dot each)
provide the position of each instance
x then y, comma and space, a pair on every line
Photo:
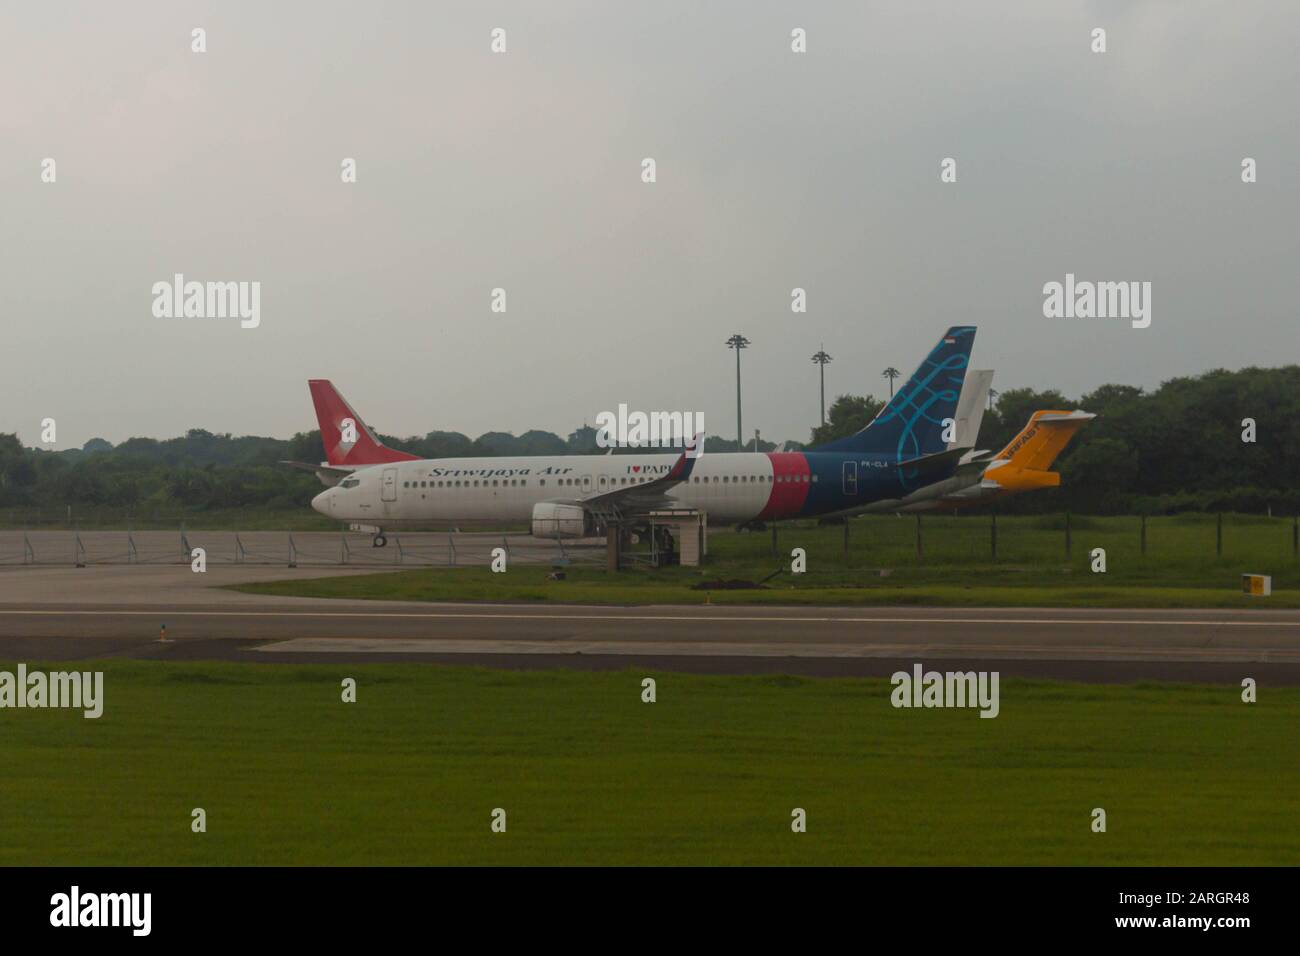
328, 474
928, 464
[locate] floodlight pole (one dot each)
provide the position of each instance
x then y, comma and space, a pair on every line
821, 358
738, 342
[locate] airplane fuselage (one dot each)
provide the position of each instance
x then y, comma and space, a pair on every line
729, 487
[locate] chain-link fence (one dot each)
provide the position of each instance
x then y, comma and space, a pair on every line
1033, 540
886, 540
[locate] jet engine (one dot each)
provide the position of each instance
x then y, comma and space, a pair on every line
552, 520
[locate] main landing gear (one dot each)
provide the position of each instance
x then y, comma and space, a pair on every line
378, 541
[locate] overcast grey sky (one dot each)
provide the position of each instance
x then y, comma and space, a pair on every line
522, 170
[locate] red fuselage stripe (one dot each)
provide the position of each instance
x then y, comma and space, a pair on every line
790, 481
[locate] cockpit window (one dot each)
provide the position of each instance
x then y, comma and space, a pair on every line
349, 482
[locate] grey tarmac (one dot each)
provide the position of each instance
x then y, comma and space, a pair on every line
56, 614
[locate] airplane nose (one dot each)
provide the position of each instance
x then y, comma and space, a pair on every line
322, 501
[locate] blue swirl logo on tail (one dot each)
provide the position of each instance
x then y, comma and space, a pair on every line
911, 424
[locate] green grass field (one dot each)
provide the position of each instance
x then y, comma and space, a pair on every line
587, 773
882, 567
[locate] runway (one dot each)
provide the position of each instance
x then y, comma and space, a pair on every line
52, 614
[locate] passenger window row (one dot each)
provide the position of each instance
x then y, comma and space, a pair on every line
523, 482
503, 483
744, 479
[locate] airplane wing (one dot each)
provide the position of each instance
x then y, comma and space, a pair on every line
648, 495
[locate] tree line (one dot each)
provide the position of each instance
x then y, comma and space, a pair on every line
1176, 448
1221, 441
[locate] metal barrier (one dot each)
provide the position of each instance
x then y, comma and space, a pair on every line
284, 549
